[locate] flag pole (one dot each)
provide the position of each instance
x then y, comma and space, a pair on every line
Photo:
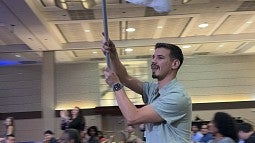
105, 23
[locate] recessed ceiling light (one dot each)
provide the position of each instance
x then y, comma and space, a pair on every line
203, 25
186, 46
94, 52
160, 27
221, 45
151, 49
17, 55
249, 22
86, 30
129, 49
130, 29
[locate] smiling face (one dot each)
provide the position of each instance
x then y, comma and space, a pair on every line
162, 65
204, 129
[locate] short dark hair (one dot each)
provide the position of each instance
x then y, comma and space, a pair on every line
226, 125
92, 128
48, 132
175, 51
10, 135
73, 134
245, 127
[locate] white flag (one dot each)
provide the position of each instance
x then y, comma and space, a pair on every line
157, 5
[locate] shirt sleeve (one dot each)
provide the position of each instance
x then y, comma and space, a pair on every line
148, 88
171, 107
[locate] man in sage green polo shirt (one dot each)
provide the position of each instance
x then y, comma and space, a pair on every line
168, 108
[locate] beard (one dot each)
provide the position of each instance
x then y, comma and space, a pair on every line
154, 76
154, 68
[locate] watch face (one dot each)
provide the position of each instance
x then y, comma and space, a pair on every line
117, 86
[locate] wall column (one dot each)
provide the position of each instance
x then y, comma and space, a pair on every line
48, 91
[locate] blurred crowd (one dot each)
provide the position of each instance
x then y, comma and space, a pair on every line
221, 129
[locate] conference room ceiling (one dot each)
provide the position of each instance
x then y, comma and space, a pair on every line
28, 27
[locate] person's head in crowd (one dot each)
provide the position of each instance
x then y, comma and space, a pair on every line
92, 131
9, 124
10, 138
48, 135
130, 129
245, 130
194, 128
70, 136
9, 121
204, 129
223, 125
75, 112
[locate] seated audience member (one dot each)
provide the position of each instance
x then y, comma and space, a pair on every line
49, 137
196, 135
70, 136
206, 135
93, 135
130, 136
101, 136
10, 139
246, 132
223, 127
103, 139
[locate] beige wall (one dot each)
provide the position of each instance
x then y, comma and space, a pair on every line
77, 85
20, 89
219, 78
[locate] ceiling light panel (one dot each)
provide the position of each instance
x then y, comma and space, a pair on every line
113, 30
88, 54
144, 28
174, 27
211, 19
135, 51
250, 26
233, 23
72, 32
191, 50
250, 50
216, 48
56, 15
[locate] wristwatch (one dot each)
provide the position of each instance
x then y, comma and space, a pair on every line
117, 86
